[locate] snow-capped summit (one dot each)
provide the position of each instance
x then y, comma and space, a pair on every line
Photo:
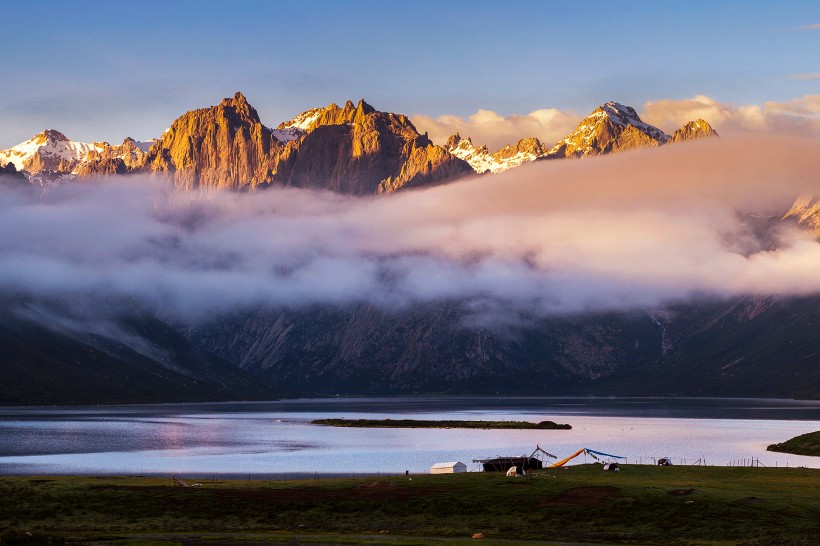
482, 161
48, 151
298, 126
609, 128
332, 114
50, 157
626, 115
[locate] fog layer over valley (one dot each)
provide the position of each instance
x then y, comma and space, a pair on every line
282, 280
622, 232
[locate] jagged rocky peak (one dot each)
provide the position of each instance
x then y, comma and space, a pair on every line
455, 139
360, 150
351, 149
482, 161
331, 114
49, 150
693, 131
527, 146
106, 159
350, 113
612, 127
618, 113
50, 135
220, 147
240, 105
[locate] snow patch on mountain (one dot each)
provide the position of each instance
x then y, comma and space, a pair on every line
52, 147
482, 161
300, 125
610, 127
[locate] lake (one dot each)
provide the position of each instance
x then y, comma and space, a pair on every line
276, 439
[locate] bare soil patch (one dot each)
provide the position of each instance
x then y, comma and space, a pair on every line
681, 492
585, 496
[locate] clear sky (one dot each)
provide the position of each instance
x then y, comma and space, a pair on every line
106, 70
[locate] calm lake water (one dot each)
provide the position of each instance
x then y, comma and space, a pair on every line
276, 438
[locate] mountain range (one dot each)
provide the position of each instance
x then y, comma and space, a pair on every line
353, 149
611, 127
708, 348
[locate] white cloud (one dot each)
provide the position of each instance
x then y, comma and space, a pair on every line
487, 127
617, 232
799, 116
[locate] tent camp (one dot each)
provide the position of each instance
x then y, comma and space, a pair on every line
448, 468
585, 451
535, 461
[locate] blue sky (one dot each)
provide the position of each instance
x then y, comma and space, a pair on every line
103, 71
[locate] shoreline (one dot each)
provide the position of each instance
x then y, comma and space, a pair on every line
429, 396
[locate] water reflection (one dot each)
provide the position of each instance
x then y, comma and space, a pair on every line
276, 437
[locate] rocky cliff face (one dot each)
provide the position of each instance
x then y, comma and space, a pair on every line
694, 130
508, 157
359, 150
717, 348
106, 159
353, 149
221, 147
425, 348
701, 348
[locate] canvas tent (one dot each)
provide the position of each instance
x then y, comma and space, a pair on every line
535, 461
448, 468
585, 451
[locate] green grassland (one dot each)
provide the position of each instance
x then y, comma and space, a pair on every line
582, 504
416, 423
805, 444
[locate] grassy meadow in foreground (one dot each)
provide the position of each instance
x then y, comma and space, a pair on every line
582, 504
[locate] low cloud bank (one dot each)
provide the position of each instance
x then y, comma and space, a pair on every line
618, 232
489, 128
798, 117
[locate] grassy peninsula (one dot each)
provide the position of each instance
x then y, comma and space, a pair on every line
805, 444
414, 423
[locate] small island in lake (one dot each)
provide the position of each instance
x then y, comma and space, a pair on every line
414, 423
805, 444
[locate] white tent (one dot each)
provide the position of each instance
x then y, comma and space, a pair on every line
448, 468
